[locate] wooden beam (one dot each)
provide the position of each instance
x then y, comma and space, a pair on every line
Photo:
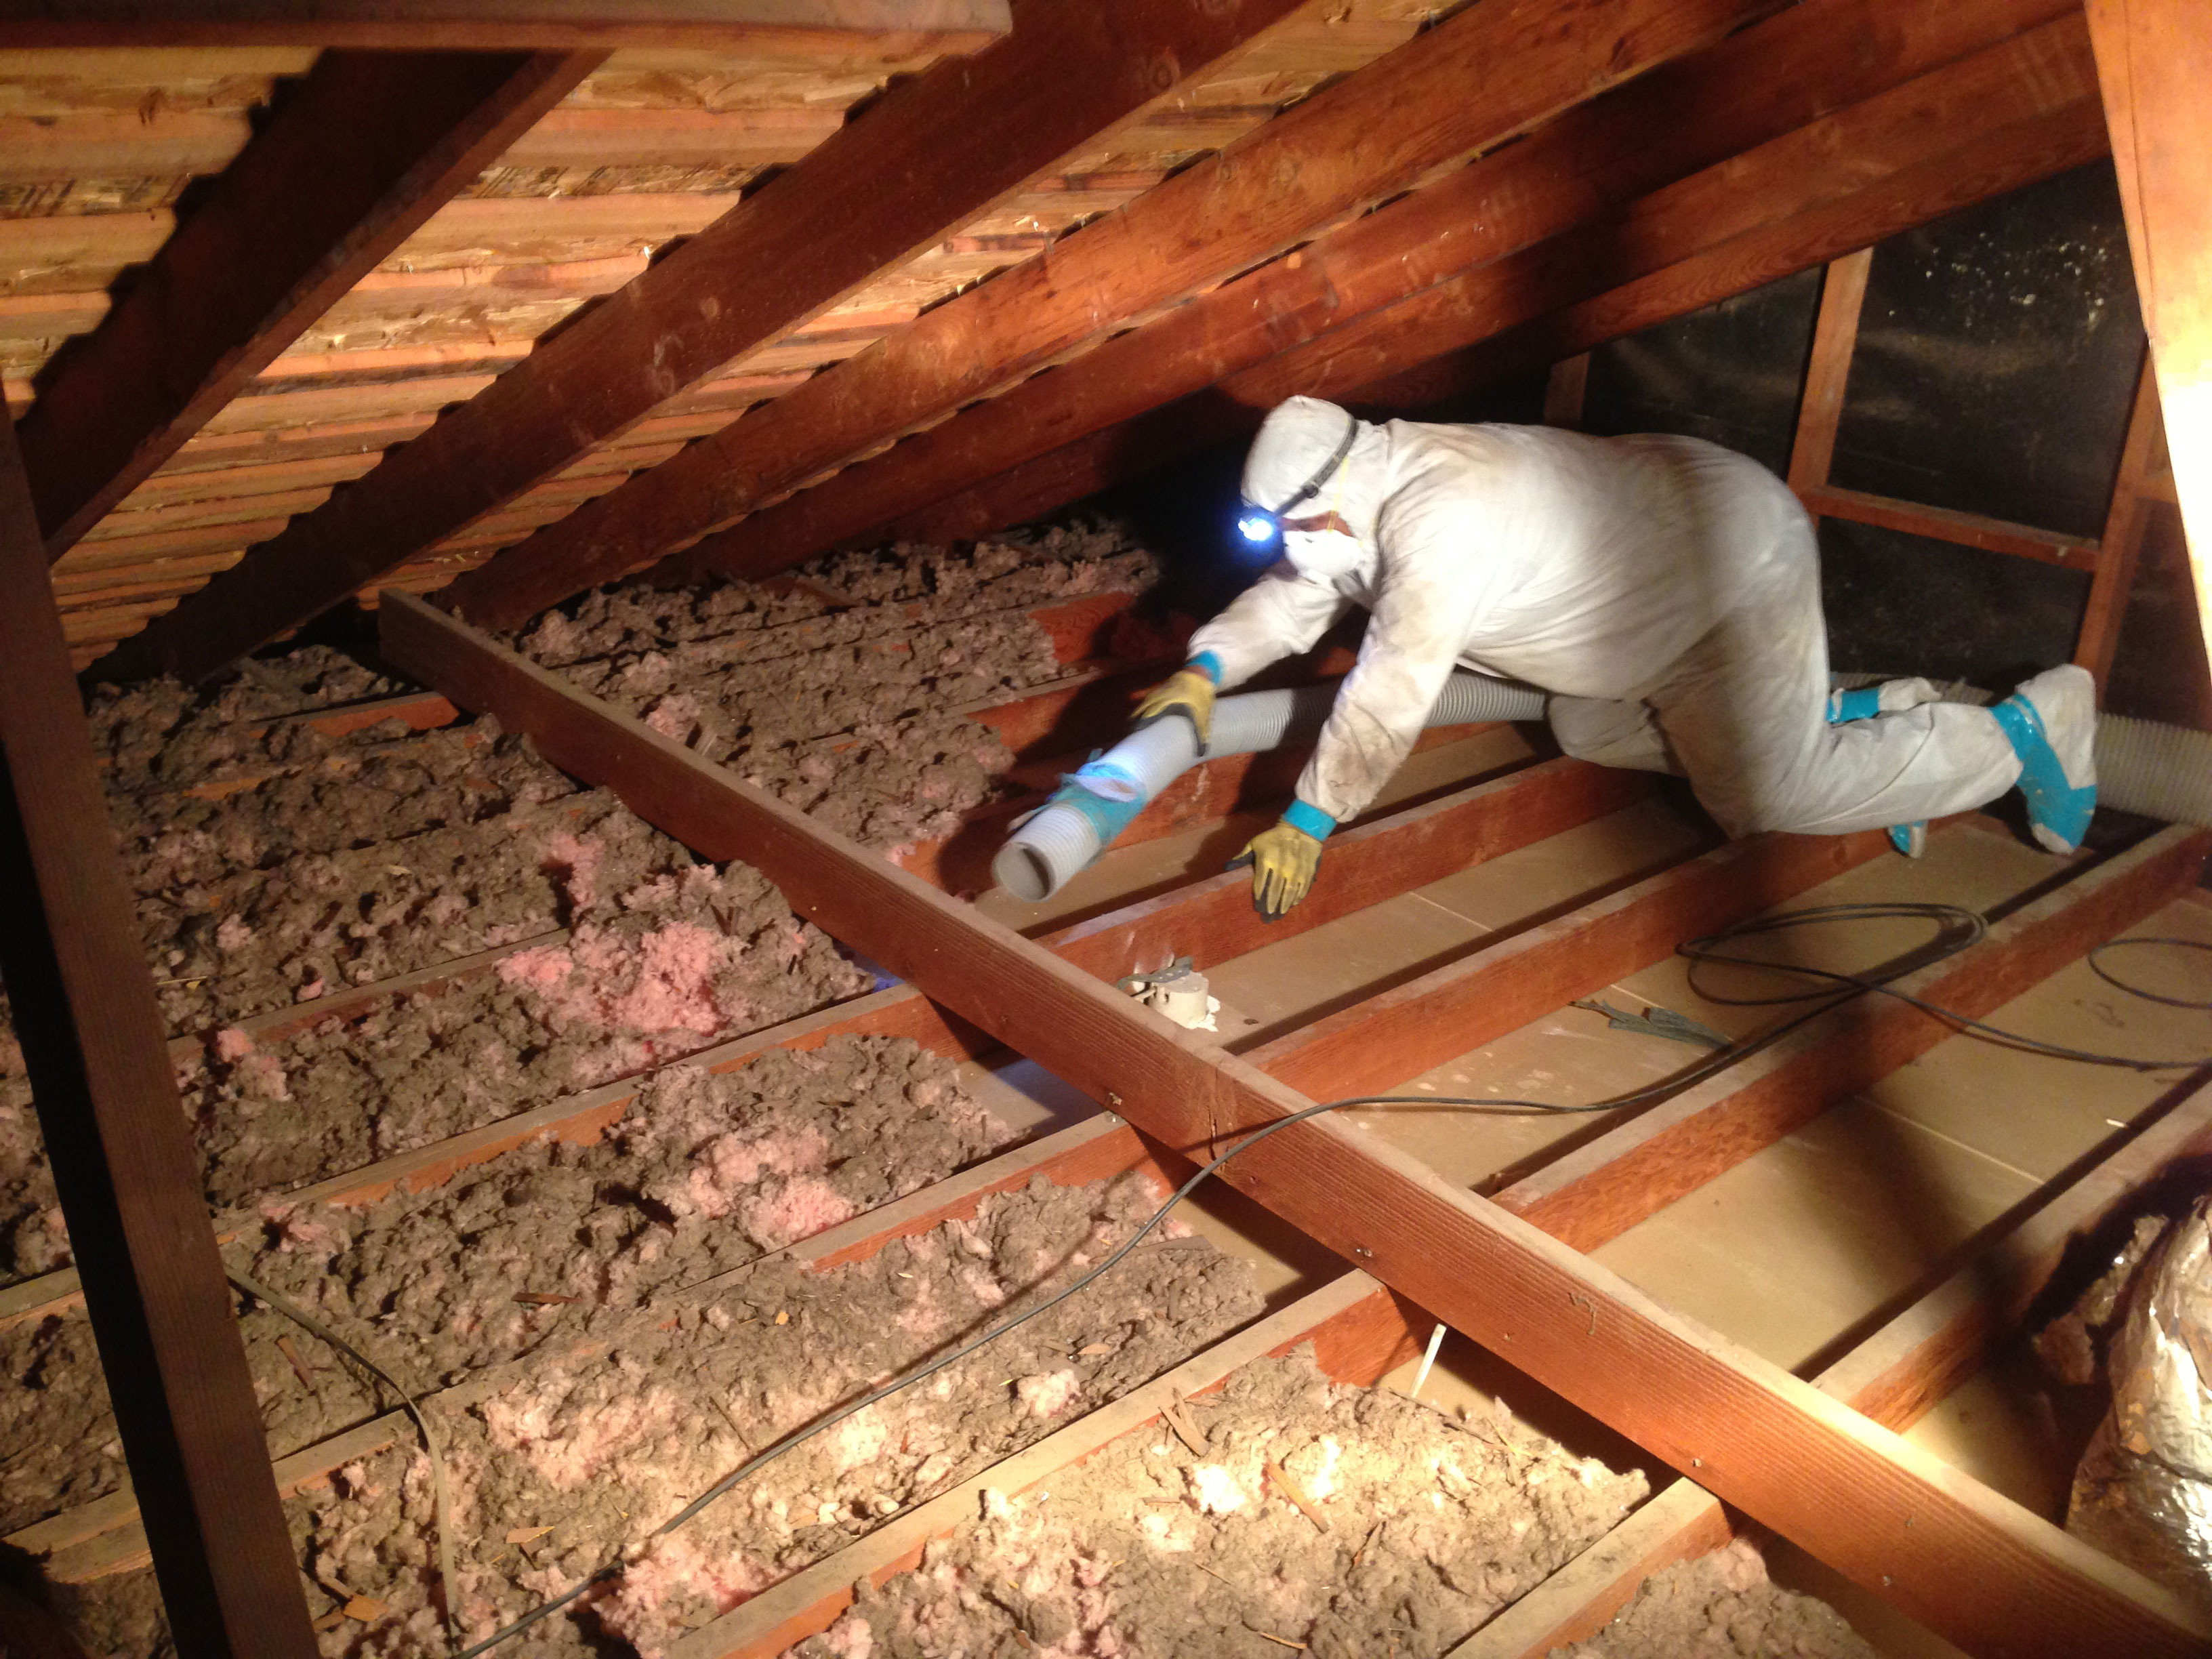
1564, 391
130, 1185
1681, 1522
1835, 333
1895, 1376
1829, 189
1973, 1565
1602, 1188
1949, 525
954, 140
1384, 1041
368, 149
2154, 62
102, 1537
2126, 518
1359, 1332
1590, 163
1478, 78
833, 28
1212, 921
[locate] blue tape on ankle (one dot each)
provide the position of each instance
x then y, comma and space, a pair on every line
2052, 802
1902, 837
1859, 705
1310, 820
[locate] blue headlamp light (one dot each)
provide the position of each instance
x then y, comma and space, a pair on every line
1257, 524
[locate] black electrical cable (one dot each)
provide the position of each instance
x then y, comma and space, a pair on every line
1971, 926
2118, 983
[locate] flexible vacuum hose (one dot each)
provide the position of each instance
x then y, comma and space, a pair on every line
1095, 804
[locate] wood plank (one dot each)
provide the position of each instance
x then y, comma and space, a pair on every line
1212, 921
1600, 1190
1381, 1041
1974, 1566
1481, 76
106, 1099
2126, 519
2154, 62
1358, 1330
1895, 1374
1591, 162
1564, 391
1833, 187
1949, 525
1835, 333
957, 138
1903, 1368
833, 28
1680, 1523
102, 1537
367, 150
579, 1119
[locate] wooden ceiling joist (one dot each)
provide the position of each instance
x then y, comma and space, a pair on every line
912, 170
1972, 129
1973, 1565
84, 1010
1588, 165
1480, 78
797, 25
372, 145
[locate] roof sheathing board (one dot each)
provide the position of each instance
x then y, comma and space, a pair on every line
537, 239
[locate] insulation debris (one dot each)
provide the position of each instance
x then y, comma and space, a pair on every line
1721, 1606
849, 712
1148, 1548
555, 1473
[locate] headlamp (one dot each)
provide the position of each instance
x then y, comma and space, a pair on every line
1259, 524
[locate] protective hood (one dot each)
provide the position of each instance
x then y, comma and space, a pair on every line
1294, 446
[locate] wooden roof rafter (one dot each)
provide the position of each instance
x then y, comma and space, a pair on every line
1755, 87
925, 159
1480, 78
370, 147
1958, 134
826, 26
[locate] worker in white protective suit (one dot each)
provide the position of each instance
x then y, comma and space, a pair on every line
1666, 591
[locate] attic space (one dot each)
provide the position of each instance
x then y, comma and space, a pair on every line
963, 828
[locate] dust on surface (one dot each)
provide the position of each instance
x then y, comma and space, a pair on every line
1434, 1522
847, 709
584, 1455
1721, 1606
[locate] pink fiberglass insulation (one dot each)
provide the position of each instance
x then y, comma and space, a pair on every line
1435, 1522
850, 713
703, 1172
584, 1454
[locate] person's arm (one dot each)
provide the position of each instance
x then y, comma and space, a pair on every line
1278, 615
1420, 626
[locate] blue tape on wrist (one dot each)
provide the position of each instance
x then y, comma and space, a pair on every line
1310, 819
1859, 705
2052, 802
1207, 663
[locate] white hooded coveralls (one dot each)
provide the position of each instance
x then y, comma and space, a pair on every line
1666, 591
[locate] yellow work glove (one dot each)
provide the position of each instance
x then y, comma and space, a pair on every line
1283, 861
1190, 690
